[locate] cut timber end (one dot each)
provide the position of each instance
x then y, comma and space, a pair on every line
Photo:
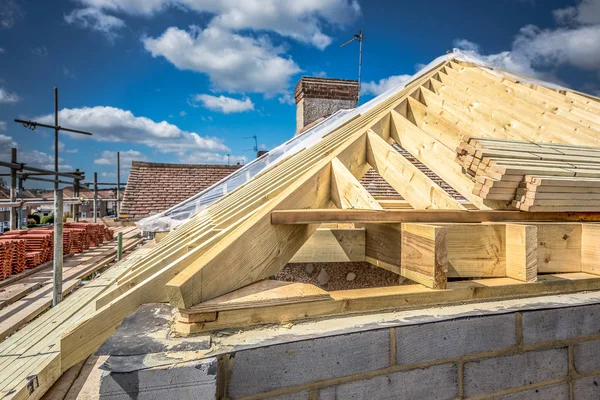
425, 254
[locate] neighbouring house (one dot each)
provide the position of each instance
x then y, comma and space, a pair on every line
155, 187
5, 211
104, 208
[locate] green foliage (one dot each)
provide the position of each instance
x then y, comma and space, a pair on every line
34, 217
31, 222
48, 219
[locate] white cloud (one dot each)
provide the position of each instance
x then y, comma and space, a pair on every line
301, 20
8, 97
465, 44
182, 113
96, 20
33, 158
108, 174
287, 98
224, 104
2, 51
10, 11
587, 12
376, 88
233, 62
126, 157
6, 143
117, 125
203, 157
2, 126
43, 160
538, 52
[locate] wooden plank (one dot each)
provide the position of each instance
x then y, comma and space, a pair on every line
259, 294
521, 252
590, 248
559, 247
412, 184
424, 254
333, 245
391, 216
383, 246
476, 250
403, 297
346, 190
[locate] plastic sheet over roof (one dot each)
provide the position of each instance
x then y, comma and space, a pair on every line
180, 213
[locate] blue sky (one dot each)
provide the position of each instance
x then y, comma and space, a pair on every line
187, 80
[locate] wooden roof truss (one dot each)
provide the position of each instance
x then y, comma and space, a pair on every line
215, 267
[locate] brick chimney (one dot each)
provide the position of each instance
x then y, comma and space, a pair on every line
320, 97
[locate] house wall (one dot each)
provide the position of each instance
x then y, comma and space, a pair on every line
541, 354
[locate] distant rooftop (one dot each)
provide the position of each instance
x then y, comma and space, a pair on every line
155, 187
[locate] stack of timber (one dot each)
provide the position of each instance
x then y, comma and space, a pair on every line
533, 176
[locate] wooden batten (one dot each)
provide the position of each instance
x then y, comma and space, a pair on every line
424, 254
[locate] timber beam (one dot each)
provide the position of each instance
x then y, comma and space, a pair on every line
389, 216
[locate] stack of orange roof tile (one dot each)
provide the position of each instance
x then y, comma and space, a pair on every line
34, 240
33, 259
17, 247
77, 239
6, 256
66, 237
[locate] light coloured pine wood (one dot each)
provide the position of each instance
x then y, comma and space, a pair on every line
412, 184
559, 247
393, 298
590, 248
396, 216
333, 245
425, 254
521, 252
346, 190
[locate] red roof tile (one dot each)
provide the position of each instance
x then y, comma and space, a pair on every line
155, 187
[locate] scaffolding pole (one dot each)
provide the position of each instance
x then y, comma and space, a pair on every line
13, 188
95, 195
58, 247
118, 206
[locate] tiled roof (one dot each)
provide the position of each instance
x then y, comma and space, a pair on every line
5, 193
155, 187
380, 189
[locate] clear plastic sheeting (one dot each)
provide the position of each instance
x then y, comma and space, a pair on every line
180, 213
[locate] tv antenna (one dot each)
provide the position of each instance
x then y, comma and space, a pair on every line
255, 148
357, 37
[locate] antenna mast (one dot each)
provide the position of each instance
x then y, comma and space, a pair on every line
357, 37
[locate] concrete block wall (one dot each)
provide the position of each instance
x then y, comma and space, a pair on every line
542, 354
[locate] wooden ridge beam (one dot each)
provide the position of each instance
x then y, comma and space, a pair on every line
321, 216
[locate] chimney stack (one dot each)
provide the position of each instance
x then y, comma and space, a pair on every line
318, 98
